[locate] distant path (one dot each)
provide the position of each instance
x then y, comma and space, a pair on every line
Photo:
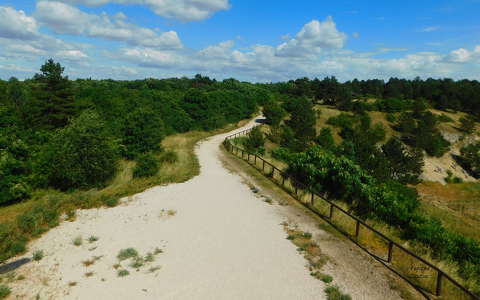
222, 243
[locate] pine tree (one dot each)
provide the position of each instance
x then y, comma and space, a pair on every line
53, 106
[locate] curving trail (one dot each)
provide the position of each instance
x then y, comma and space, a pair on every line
222, 243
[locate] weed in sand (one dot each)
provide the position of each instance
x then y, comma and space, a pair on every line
4, 291
78, 241
157, 251
137, 262
171, 212
92, 239
149, 257
88, 263
70, 215
307, 235
154, 269
89, 274
127, 253
334, 293
116, 266
123, 273
20, 277
37, 255
72, 283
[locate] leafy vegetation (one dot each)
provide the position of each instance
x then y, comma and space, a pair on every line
147, 165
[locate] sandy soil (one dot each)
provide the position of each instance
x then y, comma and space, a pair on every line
218, 240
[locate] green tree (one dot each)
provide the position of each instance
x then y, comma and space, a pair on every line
404, 166
54, 103
255, 141
470, 156
302, 122
142, 131
325, 139
273, 113
467, 124
81, 155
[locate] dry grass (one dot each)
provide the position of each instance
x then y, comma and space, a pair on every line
457, 205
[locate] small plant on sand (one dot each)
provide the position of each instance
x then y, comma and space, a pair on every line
326, 278
307, 235
123, 273
37, 255
78, 241
157, 251
154, 269
92, 239
137, 262
20, 277
4, 291
72, 283
149, 257
116, 266
89, 274
171, 212
127, 253
334, 293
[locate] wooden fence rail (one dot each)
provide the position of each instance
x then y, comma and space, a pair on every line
432, 283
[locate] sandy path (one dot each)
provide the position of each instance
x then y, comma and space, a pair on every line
222, 243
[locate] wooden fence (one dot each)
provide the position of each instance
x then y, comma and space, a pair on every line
427, 279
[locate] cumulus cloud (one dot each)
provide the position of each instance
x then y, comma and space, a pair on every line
185, 10
20, 39
66, 19
314, 38
463, 55
15, 24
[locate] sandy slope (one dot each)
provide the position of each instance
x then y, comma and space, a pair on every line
222, 243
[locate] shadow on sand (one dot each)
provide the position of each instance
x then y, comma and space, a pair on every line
14, 265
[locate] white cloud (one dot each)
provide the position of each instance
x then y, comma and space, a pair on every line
185, 10
314, 38
430, 29
15, 24
463, 55
66, 19
151, 58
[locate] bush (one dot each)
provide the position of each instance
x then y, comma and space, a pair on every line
273, 113
334, 293
255, 140
343, 120
127, 253
123, 273
109, 201
142, 131
4, 291
147, 165
37, 255
81, 155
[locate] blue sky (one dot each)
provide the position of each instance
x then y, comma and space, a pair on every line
249, 40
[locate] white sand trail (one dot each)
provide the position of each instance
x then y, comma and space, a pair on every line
222, 243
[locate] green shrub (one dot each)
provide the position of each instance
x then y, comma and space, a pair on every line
470, 158
110, 201
38, 255
77, 241
343, 120
4, 291
444, 118
123, 273
334, 293
255, 140
142, 131
92, 239
147, 165
127, 253
81, 155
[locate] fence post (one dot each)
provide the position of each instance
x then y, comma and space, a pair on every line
331, 211
263, 167
312, 199
438, 289
255, 160
283, 180
357, 229
390, 250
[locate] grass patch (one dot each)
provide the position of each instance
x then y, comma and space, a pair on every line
4, 291
333, 293
92, 239
89, 274
154, 269
149, 257
77, 241
127, 253
37, 255
123, 273
137, 262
